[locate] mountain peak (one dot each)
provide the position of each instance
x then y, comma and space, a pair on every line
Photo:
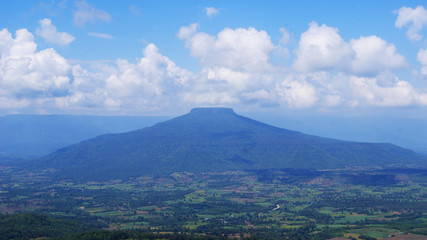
213, 110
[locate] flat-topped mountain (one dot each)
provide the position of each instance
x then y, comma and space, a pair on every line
215, 139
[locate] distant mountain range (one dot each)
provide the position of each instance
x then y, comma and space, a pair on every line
33, 136
215, 139
404, 131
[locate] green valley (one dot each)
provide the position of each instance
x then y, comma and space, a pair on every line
256, 204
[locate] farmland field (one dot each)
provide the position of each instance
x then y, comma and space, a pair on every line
240, 204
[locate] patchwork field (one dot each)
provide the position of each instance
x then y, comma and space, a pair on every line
239, 204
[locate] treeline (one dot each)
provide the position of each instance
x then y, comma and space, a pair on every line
135, 234
304, 233
32, 225
29, 225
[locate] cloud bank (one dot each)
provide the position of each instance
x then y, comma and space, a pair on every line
326, 72
321, 48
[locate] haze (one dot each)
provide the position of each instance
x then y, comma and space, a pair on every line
349, 70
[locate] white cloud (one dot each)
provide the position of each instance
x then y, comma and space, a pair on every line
227, 86
44, 79
422, 56
186, 32
414, 18
237, 49
401, 93
86, 13
209, 98
262, 95
26, 73
6, 41
100, 35
8, 103
22, 46
235, 71
48, 31
285, 36
297, 93
234, 79
151, 81
235, 65
327, 66
373, 55
211, 11
322, 48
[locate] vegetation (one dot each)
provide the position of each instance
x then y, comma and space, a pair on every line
257, 204
25, 226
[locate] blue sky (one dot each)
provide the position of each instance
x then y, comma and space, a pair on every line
165, 57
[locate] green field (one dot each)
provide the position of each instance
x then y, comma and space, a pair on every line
253, 204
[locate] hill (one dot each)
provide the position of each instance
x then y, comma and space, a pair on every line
215, 139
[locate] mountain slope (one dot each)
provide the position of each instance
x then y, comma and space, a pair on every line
214, 139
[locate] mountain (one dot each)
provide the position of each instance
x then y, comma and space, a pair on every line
214, 139
34, 136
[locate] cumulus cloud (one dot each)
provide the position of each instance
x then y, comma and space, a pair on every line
237, 49
373, 55
27, 73
321, 48
48, 32
46, 79
232, 86
100, 35
153, 77
367, 91
326, 66
152, 82
413, 18
86, 13
297, 94
186, 32
211, 11
6, 41
323, 90
235, 64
